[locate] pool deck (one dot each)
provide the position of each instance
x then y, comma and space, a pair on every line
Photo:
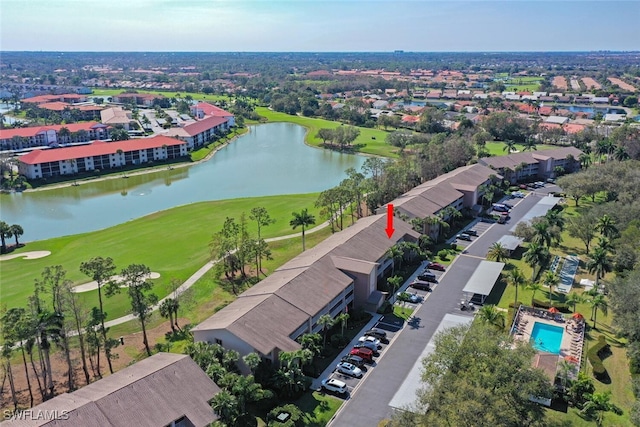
572, 342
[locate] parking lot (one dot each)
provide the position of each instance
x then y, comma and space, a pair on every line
391, 325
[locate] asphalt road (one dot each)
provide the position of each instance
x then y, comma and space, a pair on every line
369, 402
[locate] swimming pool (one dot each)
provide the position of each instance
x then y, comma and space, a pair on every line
546, 337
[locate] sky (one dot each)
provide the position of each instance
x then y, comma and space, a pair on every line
318, 25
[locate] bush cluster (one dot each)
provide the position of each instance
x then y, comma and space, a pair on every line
594, 356
562, 307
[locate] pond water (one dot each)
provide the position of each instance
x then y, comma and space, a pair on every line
593, 110
271, 159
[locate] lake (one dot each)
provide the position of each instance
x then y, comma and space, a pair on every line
271, 159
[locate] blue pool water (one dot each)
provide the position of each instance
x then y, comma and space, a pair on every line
546, 337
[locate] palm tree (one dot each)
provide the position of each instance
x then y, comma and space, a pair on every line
5, 231
555, 219
302, 219
550, 280
541, 234
607, 226
325, 322
17, 231
395, 253
620, 154
536, 256
63, 134
498, 252
509, 146
597, 404
598, 302
166, 311
535, 287
226, 406
585, 160
600, 264
529, 144
436, 221
452, 214
574, 298
516, 279
342, 318
491, 315
394, 282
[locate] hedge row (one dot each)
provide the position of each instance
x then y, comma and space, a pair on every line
594, 356
562, 307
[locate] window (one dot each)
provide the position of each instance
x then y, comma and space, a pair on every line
218, 341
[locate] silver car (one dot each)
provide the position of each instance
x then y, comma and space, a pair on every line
349, 369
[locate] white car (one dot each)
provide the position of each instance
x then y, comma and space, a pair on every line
349, 369
336, 386
370, 339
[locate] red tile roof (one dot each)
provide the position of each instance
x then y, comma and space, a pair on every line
41, 98
54, 106
573, 127
212, 110
96, 148
410, 119
204, 125
33, 131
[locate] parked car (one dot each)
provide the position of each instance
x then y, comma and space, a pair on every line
435, 266
472, 232
365, 353
499, 207
381, 334
368, 345
354, 360
407, 297
428, 277
333, 385
517, 194
368, 338
420, 284
349, 369
463, 236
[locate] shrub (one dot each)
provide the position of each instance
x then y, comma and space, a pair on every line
594, 356
339, 341
443, 255
385, 308
562, 307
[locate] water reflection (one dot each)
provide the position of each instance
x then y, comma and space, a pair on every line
271, 159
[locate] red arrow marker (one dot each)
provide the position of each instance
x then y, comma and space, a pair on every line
389, 228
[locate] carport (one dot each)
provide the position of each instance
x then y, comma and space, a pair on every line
510, 243
482, 280
539, 209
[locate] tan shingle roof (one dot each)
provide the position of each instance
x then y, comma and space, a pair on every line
152, 392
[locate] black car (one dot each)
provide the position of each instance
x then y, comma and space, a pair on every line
422, 285
472, 232
378, 333
353, 359
431, 278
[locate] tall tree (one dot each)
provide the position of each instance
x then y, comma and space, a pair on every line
5, 231
599, 263
550, 279
535, 287
74, 305
17, 231
262, 218
325, 322
135, 278
536, 256
16, 329
573, 299
607, 227
583, 227
497, 252
516, 279
490, 314
475, 379
101, 270
302, 219
598, 302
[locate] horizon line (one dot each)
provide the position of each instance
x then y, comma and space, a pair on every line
398, 51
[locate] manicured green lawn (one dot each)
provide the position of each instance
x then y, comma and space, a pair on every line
370, 141
496, 148
196, 96
173, 243
318, 408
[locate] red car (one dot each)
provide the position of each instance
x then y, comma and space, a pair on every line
435, 266
364, 353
